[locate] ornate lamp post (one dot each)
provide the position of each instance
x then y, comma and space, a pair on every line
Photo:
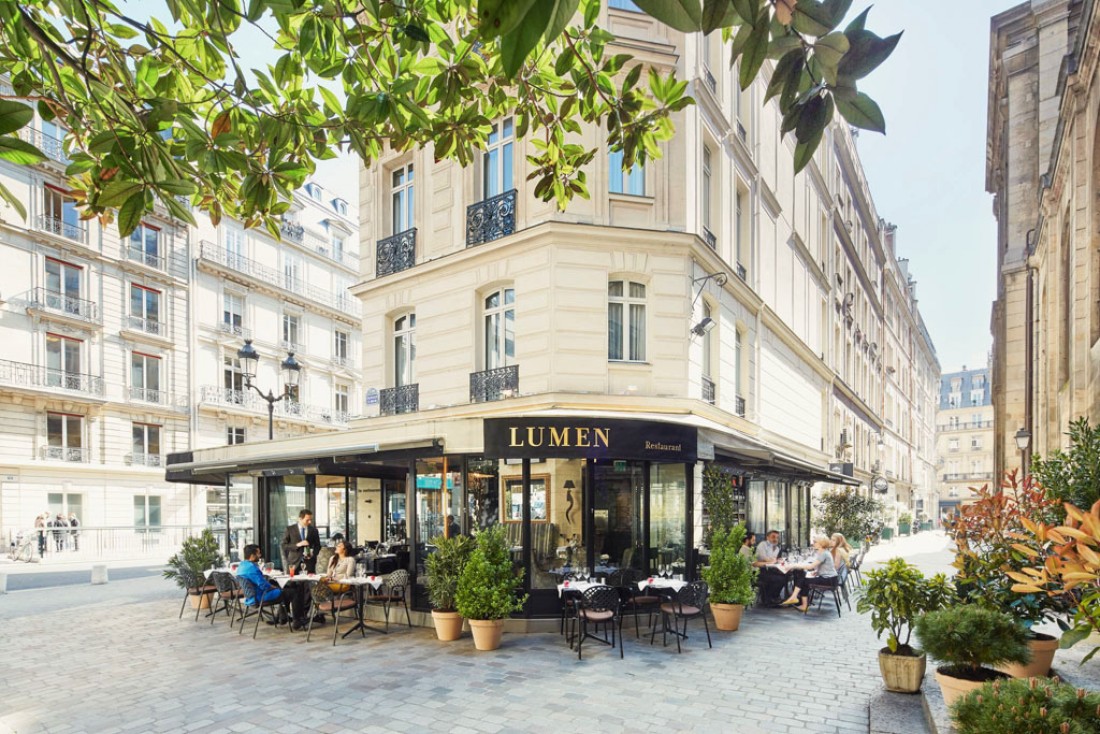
1023, 440
249, 357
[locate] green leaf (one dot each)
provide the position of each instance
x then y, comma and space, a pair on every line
518, 43
562, 13
417, 33
747, 10
815, 115
830, 49
859, 23
129, 215
866, 52
714, 15
812, 18
1071, 637
116, 192
789, 65
14, 115
497, 17
683, 15
178, 187
752, 58
9, 197
863, 112
15, 150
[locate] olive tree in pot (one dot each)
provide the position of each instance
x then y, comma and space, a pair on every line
188, 567
444, 567
730, 577
896, 595
488, 588
969, 640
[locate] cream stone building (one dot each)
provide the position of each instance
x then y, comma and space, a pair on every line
116, 350
1043, 169
570, 374
964, 437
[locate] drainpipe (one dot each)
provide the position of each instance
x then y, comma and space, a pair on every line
1029, 350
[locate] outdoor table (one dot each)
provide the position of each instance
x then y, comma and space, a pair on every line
578, 587
656, 582
358, 582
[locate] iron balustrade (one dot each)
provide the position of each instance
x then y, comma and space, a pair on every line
55, 302
495, 384
150, 259
292, 231
398, 400
396, 253
61, 228
975, 476
242, 331
491, 219
22, 374
147, 325
739, 406
965, 426
51, 146
711, 240
741, 272
342, 362
708, 390
76, 454
228, 396
90, 542
215, 395
344, 303
146, 460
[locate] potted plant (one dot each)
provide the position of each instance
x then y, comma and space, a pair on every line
188, 567
488, 588
905, 523
444, 568
1016, 706
730, 577
896, 595
969, 639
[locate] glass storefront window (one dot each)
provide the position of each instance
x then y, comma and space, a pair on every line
482, 493
757, 507
777, 510
617, 538
286, 497
557, 527
335, 507
667, 517
395, 521
236, 514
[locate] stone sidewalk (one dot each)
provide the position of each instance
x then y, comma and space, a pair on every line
115, 659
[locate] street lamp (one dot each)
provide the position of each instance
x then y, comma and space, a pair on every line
1023, 440
249, 357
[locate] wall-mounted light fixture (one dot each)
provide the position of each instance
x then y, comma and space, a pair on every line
704, 326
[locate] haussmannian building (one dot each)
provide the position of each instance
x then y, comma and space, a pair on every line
570, 374
964, 437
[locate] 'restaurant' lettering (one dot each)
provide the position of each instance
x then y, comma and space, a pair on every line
655, 446
565, 437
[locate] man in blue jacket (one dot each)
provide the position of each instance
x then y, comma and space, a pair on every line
271, 593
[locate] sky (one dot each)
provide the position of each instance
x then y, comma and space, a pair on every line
927, 174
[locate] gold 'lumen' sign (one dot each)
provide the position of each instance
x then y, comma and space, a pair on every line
581, 437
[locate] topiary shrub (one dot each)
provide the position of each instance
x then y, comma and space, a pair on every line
1028, 706
968, 638
730, 575
488, 587
444, 568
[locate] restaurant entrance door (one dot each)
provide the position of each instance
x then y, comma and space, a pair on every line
618, 514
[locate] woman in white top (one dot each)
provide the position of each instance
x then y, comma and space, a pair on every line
342, 565
825, 574
842, 552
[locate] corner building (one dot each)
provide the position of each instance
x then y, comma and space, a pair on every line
573, 374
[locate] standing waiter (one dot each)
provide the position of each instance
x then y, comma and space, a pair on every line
302, 542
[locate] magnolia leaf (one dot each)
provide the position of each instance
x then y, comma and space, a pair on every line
14, 115
518, 43
15, 150
9, 197
116, 192
812, 18
784, 11
1074, 635
804, 151
683, 15
830, 49
129, 215
753, 55
497, 17
863, 112
789, 65
563, 12
867, 51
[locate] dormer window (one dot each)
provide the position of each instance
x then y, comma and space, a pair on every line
313, 190
340, 206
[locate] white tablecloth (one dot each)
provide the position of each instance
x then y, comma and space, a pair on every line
375, 582
659, 583
578, 586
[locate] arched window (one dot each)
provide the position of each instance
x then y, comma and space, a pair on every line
500, 328
404, 350
626, 321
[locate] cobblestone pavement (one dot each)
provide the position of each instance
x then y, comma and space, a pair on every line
115, 659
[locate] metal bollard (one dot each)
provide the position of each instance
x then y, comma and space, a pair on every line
99, 573
3, 583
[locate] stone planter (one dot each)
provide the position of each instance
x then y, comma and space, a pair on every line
955, 688
727, 617
448, 625
201, 601
487, 633
1042, 648
901, 673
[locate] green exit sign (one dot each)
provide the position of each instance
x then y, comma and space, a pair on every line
620, 465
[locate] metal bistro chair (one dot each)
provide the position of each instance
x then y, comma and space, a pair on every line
259, 609
393, 591
599, 605
330, 597
229, 595
688, 603
632, 598
820, 587
194, 585
854, 566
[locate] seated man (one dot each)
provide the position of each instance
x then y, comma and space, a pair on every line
773, 582
293, 596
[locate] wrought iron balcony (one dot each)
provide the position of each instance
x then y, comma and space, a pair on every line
228, 396
59, 303
397, 400
149, 259
342, 302
235, 330
66, 453
708, 390
145, 459
61, 228
343, 361
291, 346
741, 272
494, 384
21, 374
396, 253
739, 406
711, 240
50, 145
292, 231
149, 326
973, 476
491, 219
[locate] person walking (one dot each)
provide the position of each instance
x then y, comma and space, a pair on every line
59, 534
40, 526
74, 533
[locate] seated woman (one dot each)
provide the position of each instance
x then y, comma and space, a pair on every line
342, 565
841, 551
824, 574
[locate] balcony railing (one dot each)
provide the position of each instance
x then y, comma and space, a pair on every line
66, 453
742, 133
494, 384
291, 346
159, 397
59, 303
965, 426
215, 395
149, 259
711, 240
973, 476
228, 396
21, 374
396, 253
344, 361
242, 331
145, 459
61, 228
739, 406
741, 272
342, 302
708, 390
292, 231
397, 400
50, 145
491, 219
147, 325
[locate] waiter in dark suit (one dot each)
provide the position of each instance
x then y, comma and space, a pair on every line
302, 542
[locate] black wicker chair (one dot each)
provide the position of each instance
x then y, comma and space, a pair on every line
635, 600
818, 588
229, 595
271, 611
599, 606
688, 603
194, 585
330, 598
394, 590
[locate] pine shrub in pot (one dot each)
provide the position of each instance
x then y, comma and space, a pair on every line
488, 588
969, 640
730, 577
1031, 705
444, 567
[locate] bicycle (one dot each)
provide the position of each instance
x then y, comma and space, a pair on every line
25, 548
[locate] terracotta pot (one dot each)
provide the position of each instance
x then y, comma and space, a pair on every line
901, 673
201, 601
955, 688
487, 633
1042, 648
448, 625
727, 617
